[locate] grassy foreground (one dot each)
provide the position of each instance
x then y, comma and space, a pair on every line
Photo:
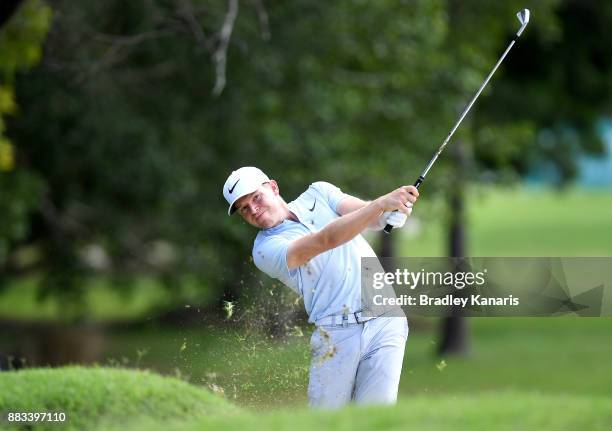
119, 399
492, 411
102, 397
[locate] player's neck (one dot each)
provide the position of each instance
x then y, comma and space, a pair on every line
286, 213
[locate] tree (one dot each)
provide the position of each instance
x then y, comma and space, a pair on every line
126, 127
120, 122
545, 104
560, 86
23, 28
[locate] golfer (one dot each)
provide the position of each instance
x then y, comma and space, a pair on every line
314, 246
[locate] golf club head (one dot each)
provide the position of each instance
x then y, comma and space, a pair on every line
523, 17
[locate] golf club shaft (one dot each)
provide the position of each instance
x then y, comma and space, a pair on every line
417, 183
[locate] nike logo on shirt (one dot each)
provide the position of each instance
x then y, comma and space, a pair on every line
313, 206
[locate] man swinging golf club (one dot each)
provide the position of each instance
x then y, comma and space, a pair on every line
314, 246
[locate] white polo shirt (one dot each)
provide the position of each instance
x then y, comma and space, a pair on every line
330, 283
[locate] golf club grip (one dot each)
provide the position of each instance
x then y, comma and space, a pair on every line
417, 183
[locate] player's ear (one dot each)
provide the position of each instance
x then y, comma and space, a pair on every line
274, 186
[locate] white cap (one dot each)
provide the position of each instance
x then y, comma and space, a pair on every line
242, 182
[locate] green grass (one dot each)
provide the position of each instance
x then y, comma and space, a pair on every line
520, 373
553, 355
521, 222
104, 396
119, 399
487, 411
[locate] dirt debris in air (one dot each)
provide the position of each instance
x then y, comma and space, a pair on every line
228, 307
260, 352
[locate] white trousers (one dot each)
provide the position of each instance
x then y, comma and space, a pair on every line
359, 362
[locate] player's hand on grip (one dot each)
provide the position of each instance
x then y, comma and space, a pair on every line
401, 199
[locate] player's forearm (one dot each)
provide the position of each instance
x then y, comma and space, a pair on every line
350, 204
375, 224
350, 225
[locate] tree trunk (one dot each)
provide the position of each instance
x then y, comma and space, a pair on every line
454, 334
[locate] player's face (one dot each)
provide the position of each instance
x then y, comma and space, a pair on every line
262, 208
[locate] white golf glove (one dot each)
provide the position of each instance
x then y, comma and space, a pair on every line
397, 219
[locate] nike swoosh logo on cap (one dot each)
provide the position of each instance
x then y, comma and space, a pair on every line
233, 187
313, 206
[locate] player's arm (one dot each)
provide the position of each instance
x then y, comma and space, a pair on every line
348, 226
349, 203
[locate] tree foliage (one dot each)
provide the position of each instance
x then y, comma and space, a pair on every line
22, 32
559, 86
139, 110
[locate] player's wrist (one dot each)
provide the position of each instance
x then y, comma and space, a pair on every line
378, 206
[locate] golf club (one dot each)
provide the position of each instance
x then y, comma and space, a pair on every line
523, 17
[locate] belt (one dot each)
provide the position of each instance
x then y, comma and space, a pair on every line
344, 319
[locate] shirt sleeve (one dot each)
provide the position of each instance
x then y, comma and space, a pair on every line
270, 256
332, 194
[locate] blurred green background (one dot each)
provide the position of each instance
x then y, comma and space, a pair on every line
119, 123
